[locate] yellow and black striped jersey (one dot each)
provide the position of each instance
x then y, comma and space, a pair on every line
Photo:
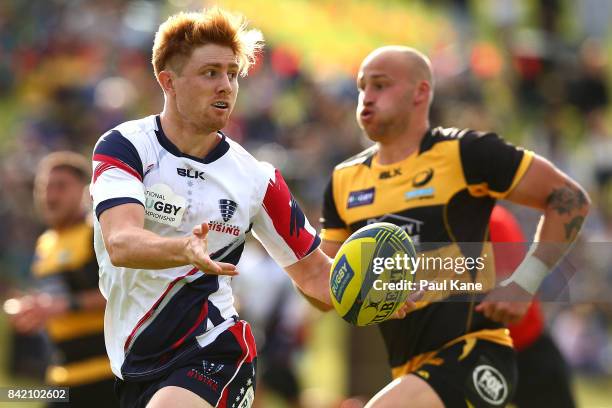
442, 195
64, 263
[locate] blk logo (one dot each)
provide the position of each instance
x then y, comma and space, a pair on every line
190, 173
387, 174
227, 208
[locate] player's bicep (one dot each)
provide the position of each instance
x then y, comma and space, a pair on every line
119, 218
538, 184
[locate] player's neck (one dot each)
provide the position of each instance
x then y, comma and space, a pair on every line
188, 139
68, 222
399, 147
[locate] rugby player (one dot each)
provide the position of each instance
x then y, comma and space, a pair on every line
441, 184
174, 198
68, 304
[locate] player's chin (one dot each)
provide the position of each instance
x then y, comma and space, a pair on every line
217, 121
373, 133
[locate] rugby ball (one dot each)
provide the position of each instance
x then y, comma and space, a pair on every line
364, 288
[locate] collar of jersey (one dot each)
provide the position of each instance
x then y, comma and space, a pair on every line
216, 153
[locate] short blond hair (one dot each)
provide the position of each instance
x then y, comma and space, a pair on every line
181, 33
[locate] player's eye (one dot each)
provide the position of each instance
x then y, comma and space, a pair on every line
232, 75
211, 73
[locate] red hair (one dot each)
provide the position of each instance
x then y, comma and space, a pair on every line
181, 33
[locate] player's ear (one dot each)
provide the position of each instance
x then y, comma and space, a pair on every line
422, 92
166, 81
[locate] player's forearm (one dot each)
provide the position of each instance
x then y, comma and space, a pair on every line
566, 209
317, 293
567, 205
138, 248
311, 276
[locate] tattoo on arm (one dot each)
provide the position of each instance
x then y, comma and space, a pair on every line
566, 199
572, 227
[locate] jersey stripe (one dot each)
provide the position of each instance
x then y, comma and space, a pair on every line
108, 162
147, 315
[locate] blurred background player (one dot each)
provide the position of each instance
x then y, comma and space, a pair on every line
67, 303
441, 185
543, 374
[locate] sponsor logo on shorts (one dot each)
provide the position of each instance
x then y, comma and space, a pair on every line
203, 378
247, 395
211, 368
360, 197
490, 384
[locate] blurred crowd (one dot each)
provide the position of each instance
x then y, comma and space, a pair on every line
537, 72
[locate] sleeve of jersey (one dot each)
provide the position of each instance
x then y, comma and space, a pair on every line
117, 173
281, 226
334, 228
492, 166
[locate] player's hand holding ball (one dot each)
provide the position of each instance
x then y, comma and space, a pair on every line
369, 281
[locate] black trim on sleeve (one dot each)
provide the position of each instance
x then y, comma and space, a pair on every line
487, 158
117, 146
113, 202
330, 218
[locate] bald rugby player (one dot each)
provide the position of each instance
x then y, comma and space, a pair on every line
440, 185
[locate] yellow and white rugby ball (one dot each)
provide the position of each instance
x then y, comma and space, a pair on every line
356, 296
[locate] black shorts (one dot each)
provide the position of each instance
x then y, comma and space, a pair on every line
473, 371
544, 377
222, 373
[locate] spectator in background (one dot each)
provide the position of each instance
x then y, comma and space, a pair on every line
68, 303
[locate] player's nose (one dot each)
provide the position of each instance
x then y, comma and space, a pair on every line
224, 85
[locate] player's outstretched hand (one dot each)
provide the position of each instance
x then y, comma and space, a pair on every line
197, 253
409, 306
506, 304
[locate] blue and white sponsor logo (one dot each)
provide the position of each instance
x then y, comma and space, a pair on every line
360, 197
419, 193
341, 276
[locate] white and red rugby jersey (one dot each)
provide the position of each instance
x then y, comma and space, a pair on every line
153, 317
